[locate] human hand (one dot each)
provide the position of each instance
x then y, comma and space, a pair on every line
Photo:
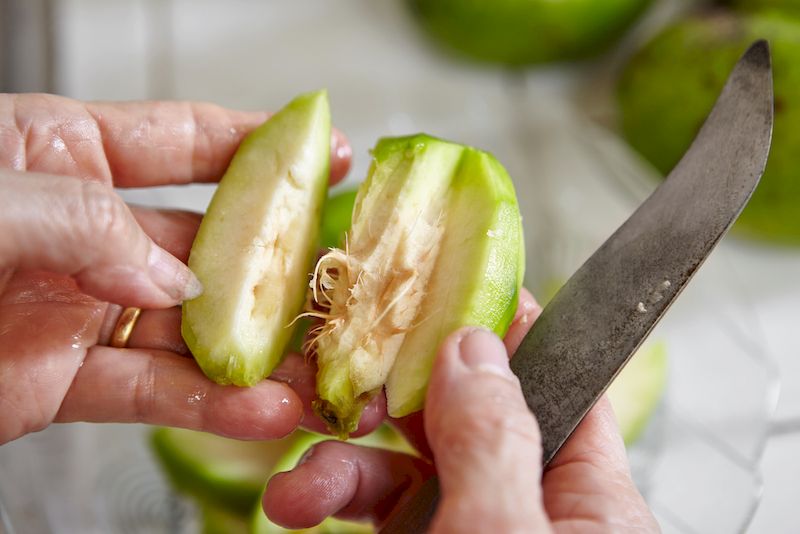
485, 446
70, 247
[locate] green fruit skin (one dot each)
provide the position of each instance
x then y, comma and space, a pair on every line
219, 521
482, 261
523, 32
485, 273
206, 324
667, 90
336, 218
197, 465
790, 6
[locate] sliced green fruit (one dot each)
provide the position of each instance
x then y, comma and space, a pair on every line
436, 244
521, 32
220, 521
637, 391
665, 93
256, 244
225, 473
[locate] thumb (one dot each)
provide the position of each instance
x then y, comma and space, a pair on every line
486, 443
84, 229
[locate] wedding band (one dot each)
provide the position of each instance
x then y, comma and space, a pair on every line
124, 327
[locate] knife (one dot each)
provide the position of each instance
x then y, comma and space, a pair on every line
598, 319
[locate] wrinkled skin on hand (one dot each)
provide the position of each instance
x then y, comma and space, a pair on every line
477, 434
72, 254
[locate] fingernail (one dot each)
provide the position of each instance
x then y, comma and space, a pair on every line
306, 456
172, 276
482, 351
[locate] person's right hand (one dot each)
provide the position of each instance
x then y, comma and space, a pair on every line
478, 435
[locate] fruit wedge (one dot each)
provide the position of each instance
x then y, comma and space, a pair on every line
256, 244
435, 244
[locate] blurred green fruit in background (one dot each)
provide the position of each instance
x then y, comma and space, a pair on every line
669, 87
788, 5
521, 32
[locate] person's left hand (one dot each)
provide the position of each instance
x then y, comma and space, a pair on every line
69, 246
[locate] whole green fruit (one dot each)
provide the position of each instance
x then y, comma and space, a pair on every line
785, 5
669, 87
520, 32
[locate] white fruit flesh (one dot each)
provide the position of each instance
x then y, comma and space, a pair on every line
474, 272
435, 245
383, 275
254, 247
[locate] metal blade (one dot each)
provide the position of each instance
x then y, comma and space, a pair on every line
608, 307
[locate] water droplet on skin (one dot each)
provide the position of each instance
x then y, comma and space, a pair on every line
196, 397
57, 144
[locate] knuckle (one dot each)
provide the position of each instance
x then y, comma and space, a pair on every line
104, 213
488, 422
144, 392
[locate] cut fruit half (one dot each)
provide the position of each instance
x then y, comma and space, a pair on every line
256, 244
435, 244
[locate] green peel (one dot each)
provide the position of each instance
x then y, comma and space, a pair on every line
256, 245
435, 244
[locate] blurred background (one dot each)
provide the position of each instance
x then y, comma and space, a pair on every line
588, 103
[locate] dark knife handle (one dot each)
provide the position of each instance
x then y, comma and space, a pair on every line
417, 514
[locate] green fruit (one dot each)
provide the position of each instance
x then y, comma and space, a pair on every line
256, 244
520, 32
336, 218
224, 473
637, 391
784, 5
670, 86
436, 244
219, 521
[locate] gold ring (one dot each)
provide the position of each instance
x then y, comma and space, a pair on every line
124, 327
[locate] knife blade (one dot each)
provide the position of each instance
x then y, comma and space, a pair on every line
598, 319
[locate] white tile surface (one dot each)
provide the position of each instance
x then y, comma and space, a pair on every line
102, 51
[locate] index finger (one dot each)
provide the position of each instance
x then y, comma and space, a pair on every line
166, 143
130, 144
